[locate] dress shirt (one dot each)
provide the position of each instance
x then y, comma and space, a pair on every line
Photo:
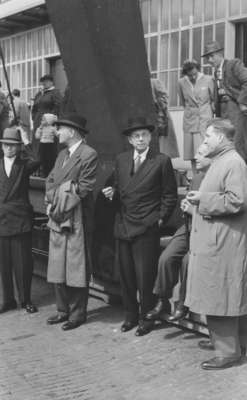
8, 164
142, 155
73, 148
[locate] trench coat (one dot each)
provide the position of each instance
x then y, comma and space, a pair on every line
217, 273
68, 262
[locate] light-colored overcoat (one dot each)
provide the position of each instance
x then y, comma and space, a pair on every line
217, 273
197, 101
68, 262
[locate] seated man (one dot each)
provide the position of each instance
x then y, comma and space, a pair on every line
174, 259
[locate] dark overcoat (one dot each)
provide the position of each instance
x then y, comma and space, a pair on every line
16, 213
144, 197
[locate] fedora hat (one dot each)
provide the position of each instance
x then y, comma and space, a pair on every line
73, 120
136, 123
11, 136
212, 47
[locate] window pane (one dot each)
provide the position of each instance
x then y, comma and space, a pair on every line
175, 13
154, 15
164, 52
153, 53
185, 40
186, 11
174, 50
29, 74
220, 33
220, 9
244, 6
208, 34
198, 10
209, 10
197, 44
164, 79
165, 9
144, 11
234, 7
173, 81
23, 74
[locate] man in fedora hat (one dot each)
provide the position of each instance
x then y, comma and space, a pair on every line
16, 219
69, 196
230, 85
145, 191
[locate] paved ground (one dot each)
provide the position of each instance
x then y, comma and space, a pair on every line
97, 361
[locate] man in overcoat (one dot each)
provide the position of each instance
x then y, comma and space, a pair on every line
69, 195
217, 273
146, 192
16, 219
230, 88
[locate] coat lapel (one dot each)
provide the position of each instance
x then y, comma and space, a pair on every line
14, 178
137, 178
63, 171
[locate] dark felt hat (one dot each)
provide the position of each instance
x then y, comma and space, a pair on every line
211, 48
136, 123
11, 136
73, 120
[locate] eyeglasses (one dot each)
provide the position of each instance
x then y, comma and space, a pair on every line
143, 135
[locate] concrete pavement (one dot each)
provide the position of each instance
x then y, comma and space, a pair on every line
96, 361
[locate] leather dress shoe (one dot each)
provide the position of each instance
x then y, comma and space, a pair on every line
206, 345
180, 313
8, 306
219, 363
30, 308
56, 319
72, 324
144, 328
128, 325
162, 306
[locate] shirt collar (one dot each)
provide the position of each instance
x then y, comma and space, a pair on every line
142, 155
9, 160
74, 147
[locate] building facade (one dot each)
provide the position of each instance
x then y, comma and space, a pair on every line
174, 30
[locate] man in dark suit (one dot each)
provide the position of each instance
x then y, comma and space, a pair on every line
16, 219
230, 89
69, 194
146, 191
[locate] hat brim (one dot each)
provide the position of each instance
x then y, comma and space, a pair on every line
10, 141
128, 131
71, 124
212, 52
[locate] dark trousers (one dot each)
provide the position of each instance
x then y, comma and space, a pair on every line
48, 154
173, 262
16, 256
138, 260
72, 301
228, 334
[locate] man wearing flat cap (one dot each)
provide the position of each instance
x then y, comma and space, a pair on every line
145, 193
69, 197
16, 219
230, 86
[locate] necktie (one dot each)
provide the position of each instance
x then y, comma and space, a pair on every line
137, 163
66, 158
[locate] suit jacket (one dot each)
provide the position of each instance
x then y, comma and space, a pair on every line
15, 209
144, 197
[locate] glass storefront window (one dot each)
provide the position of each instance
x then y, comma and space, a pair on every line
165, 11
244, 6
154, 13
185, 43
209, 10
208, 34
144, 11
220, 9
197, 11
173, 84
164, 79
164, 51
175, 13
186, 11
234, 7
197, 44
220, 33
153, 53
174, 50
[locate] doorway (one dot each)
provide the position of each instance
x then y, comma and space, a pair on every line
241, 41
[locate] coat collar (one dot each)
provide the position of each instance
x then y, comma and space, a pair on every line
14, 177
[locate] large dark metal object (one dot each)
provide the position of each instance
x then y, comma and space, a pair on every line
103, 51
